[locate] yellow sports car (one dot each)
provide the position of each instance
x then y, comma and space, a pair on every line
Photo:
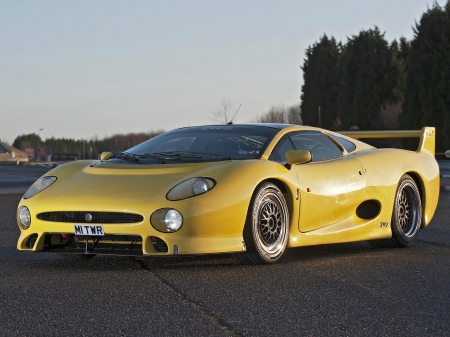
251, 190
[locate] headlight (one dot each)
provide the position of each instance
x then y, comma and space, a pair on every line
190, 188
38, 186
23, 217
166, 220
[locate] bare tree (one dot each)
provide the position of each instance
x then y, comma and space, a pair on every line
336, 124
276, 114
388, 117
224, 112
281, 114
294, 115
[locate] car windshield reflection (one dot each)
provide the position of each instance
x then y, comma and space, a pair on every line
200, 144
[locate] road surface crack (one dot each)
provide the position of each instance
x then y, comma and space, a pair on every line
196, 305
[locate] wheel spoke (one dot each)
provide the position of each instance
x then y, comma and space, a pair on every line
271, 221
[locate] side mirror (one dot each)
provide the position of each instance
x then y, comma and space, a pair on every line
298, 157
106, 155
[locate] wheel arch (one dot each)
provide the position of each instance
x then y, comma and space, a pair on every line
287, 193
280, 184
420, 186
289, 196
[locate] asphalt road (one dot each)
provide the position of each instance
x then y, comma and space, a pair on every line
444, 166
342, 290
17, 179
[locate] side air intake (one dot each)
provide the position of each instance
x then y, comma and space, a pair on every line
369, 209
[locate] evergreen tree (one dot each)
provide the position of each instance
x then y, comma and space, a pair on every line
23, 142
373, 77
404, 49
321, 84
428, 88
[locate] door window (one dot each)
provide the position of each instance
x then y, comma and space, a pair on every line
320, 146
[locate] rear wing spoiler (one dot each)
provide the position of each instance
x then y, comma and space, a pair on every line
427, 136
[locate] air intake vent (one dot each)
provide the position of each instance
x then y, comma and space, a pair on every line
369, 209
91, 217
160, 245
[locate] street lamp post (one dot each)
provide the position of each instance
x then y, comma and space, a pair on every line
38, 143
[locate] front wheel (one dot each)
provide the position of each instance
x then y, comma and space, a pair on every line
406, 215
267, 226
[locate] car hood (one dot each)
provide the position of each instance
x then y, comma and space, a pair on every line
99, 185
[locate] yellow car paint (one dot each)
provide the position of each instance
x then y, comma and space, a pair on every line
321, 196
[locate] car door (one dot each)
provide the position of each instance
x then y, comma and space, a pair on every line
331, 186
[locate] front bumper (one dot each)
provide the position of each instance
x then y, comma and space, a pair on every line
215, 231
125, 245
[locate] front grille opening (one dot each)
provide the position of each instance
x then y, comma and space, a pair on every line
159, 244
84, 244
91, 217
31, 241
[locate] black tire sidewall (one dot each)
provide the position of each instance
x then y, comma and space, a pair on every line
259, 195
397, 232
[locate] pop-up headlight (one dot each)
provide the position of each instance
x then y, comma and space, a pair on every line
190, 188
38, 186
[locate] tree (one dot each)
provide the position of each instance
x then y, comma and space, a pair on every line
428, 82
115, 143
276, 114
404, 49
294, 115
23, 142
281, 114
373, 77
224, 112
322, 85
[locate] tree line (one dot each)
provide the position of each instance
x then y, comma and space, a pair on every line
371, 83
84, 148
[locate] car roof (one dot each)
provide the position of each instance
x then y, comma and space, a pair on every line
278, 126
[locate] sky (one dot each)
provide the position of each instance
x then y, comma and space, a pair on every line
95, 68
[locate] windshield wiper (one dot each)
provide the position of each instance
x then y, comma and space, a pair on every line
161, 157
177, 154
187, 154
128, 157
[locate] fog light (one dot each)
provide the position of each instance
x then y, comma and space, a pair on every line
24, 217
166, 220
173, 220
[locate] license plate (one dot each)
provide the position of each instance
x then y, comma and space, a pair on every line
92, 230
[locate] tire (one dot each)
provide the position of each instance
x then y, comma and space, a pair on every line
406, 216
267, 226
77, 256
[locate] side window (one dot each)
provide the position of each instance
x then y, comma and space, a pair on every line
346, 144
320, 146
279, 152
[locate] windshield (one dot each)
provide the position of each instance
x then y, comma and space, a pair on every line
199, 144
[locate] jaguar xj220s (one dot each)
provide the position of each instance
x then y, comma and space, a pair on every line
250, 190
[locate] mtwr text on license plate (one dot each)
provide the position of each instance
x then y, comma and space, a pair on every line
96, 230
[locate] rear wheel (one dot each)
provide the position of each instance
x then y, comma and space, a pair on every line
406, 216
266, 228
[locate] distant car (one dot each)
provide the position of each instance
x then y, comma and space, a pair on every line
251, 190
